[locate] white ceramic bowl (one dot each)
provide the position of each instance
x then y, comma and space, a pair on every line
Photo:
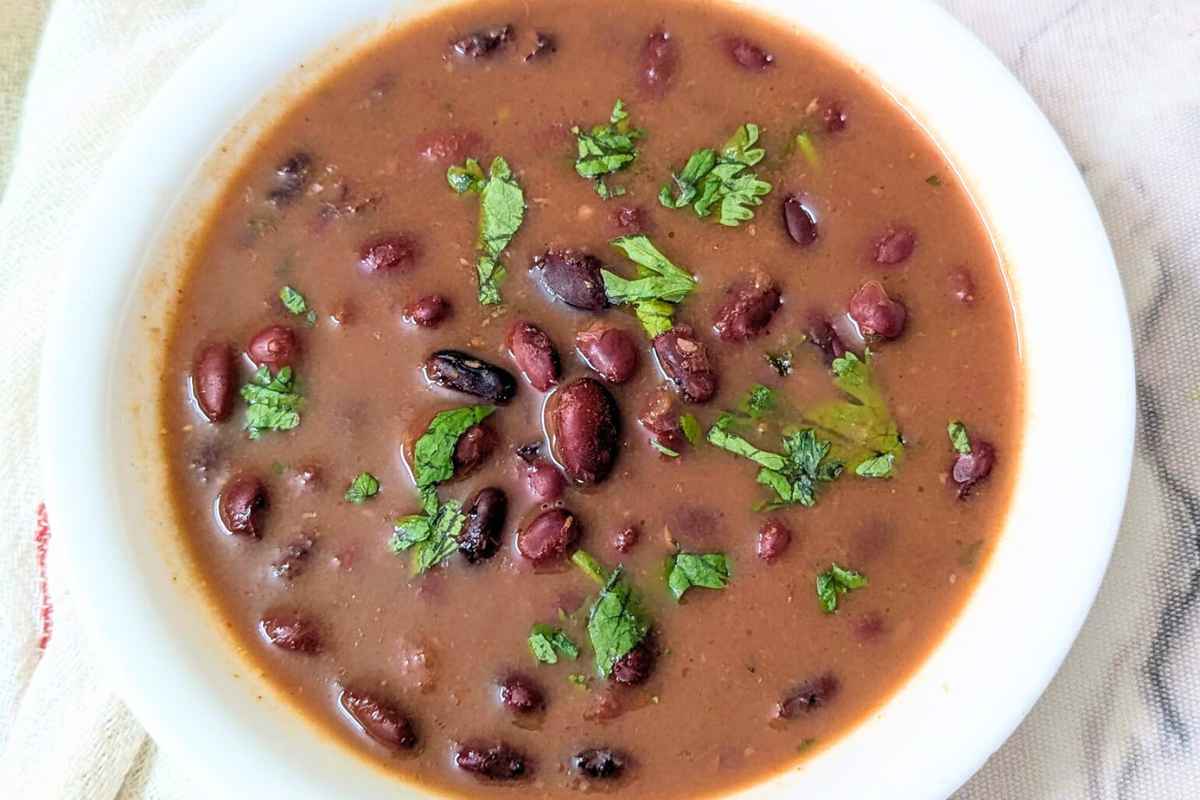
163, 645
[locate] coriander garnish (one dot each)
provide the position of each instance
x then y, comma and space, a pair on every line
547, 643
364, 486
712, 180
835, 582
607, 149
706, 570
296, 303
657, 289
501, 211
273, 402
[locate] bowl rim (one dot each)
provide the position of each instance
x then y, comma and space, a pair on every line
94, 299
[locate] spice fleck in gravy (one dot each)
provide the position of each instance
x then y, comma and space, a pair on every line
622, 398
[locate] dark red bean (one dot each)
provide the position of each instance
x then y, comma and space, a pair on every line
661, 417
610, 352
446, 147
473, 448
463, 372
600, 763
293, 558
379, 719
387, 254
747, 54
800, 221
833, 116
635, 666
291, 631
685, 360
658, 64
573, 278
534, 354
521, 694
481, 43
585, 430
291, 176
895, 245
274, 345
808, 696
970, 468
543, 46
548, 538
630, 220
626, 538
748, 308
213, 381
428, 312
243, 504
497, 762
481, 535
773, 539
546, 483
822, 336
876, 313
962, 286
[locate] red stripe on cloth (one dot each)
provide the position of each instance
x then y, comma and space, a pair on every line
46, 612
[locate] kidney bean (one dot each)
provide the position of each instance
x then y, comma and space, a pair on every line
630, 220
635, 666
876, 313
480, 538
534, 354
684, 359
749, 305
243, 504
428, 312
610, 352
808, 696
600, 763
482, 43
379, 719
661, 418
521, 694
747, 54
465, 373
291, 631
274, 345
543, 46
970, 468
573, 278
585, 426
387, 253
291, 176
493, 761
659, 60
213, 381
773, 538
626, 538
549, 536
446, 147
962, 286
293, 559
800, 221
546, 483
895, 245
822, 336
473, 448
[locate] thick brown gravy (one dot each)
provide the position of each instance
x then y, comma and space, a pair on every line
378, 137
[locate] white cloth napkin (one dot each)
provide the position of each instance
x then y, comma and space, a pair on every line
1119, 81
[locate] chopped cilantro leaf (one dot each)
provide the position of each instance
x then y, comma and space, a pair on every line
546, 643
607, 149
862, 428
706, 570
662, 448
804, 143
711, 180
793, 475
363, 486
880, 466
293, 301
834, 582
659, 284
432, 536
720, 436
960, 440
501, 211
273, 402
781, 362
433, 454
616, 622
759, 402
590, 566
691, 428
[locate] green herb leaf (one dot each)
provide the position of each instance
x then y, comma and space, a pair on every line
293, 301
433, 454
501, 212
616, 623
720, 436
834, 582
662, 448
273, 402
590, 566
691, 428
960, 440
707, 570
546, 643
862, 429
658, 287
607, 149
808, 149
432, 536
881, 466
721, 181
759, 402
781, 362
363, 486
805, 468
